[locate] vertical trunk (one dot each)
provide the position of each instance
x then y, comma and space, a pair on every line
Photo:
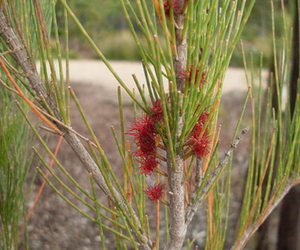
181, 57
177, 209
176, 173
288, 235
295, 62
289, 225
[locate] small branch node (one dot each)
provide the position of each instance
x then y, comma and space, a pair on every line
29, 74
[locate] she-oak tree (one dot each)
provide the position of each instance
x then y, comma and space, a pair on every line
189, 45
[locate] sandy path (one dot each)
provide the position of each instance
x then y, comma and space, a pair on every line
95, 72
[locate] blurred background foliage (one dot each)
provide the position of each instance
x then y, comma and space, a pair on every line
106, 24
15, 161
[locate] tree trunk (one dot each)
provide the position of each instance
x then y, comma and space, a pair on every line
288, 235
288, 232
289, 225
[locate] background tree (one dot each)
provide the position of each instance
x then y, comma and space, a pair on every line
289, 225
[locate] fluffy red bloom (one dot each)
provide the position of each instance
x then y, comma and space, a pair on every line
148, 164
142, 125
144, 134
203, 116
199, 125
189, 76
156, 111
167, 7
155, 192
201, 146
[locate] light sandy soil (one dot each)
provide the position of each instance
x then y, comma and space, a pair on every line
96, 72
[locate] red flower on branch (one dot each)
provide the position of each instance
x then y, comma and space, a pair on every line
143, 132
156, 111
155, 192
167, 7
145, 135
200, 145
188, 77
199, 125
148, 164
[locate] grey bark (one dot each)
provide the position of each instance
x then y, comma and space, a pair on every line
176, 173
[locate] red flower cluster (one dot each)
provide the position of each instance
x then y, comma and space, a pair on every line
144, 132
201, 145
155, 192
156, 111
167, 7
199, 125
189, 77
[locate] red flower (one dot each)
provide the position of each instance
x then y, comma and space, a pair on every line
167, 7
203, 116
201, 146
189, 77
199, 125
148, 164
156, 111
142, 125
144, 134
155, 192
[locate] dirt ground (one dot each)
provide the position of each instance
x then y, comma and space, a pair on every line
55, 225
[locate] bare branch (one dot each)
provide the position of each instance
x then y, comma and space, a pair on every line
193, 208
291, 182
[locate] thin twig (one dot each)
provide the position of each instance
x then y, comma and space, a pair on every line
205, 189
21, 94
8, 88
291, 182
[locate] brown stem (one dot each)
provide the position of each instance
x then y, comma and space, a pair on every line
177, 204
211, 181
178, 227
181, 58
267, 211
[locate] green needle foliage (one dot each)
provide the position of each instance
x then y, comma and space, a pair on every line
15, 160
189, 45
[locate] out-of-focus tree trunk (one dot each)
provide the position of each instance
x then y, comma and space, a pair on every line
264, 233
295, 63
289, 225
288, 235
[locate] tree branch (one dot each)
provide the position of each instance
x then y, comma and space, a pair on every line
193, 208
241, 243
176, 173
177, 209
30, 72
